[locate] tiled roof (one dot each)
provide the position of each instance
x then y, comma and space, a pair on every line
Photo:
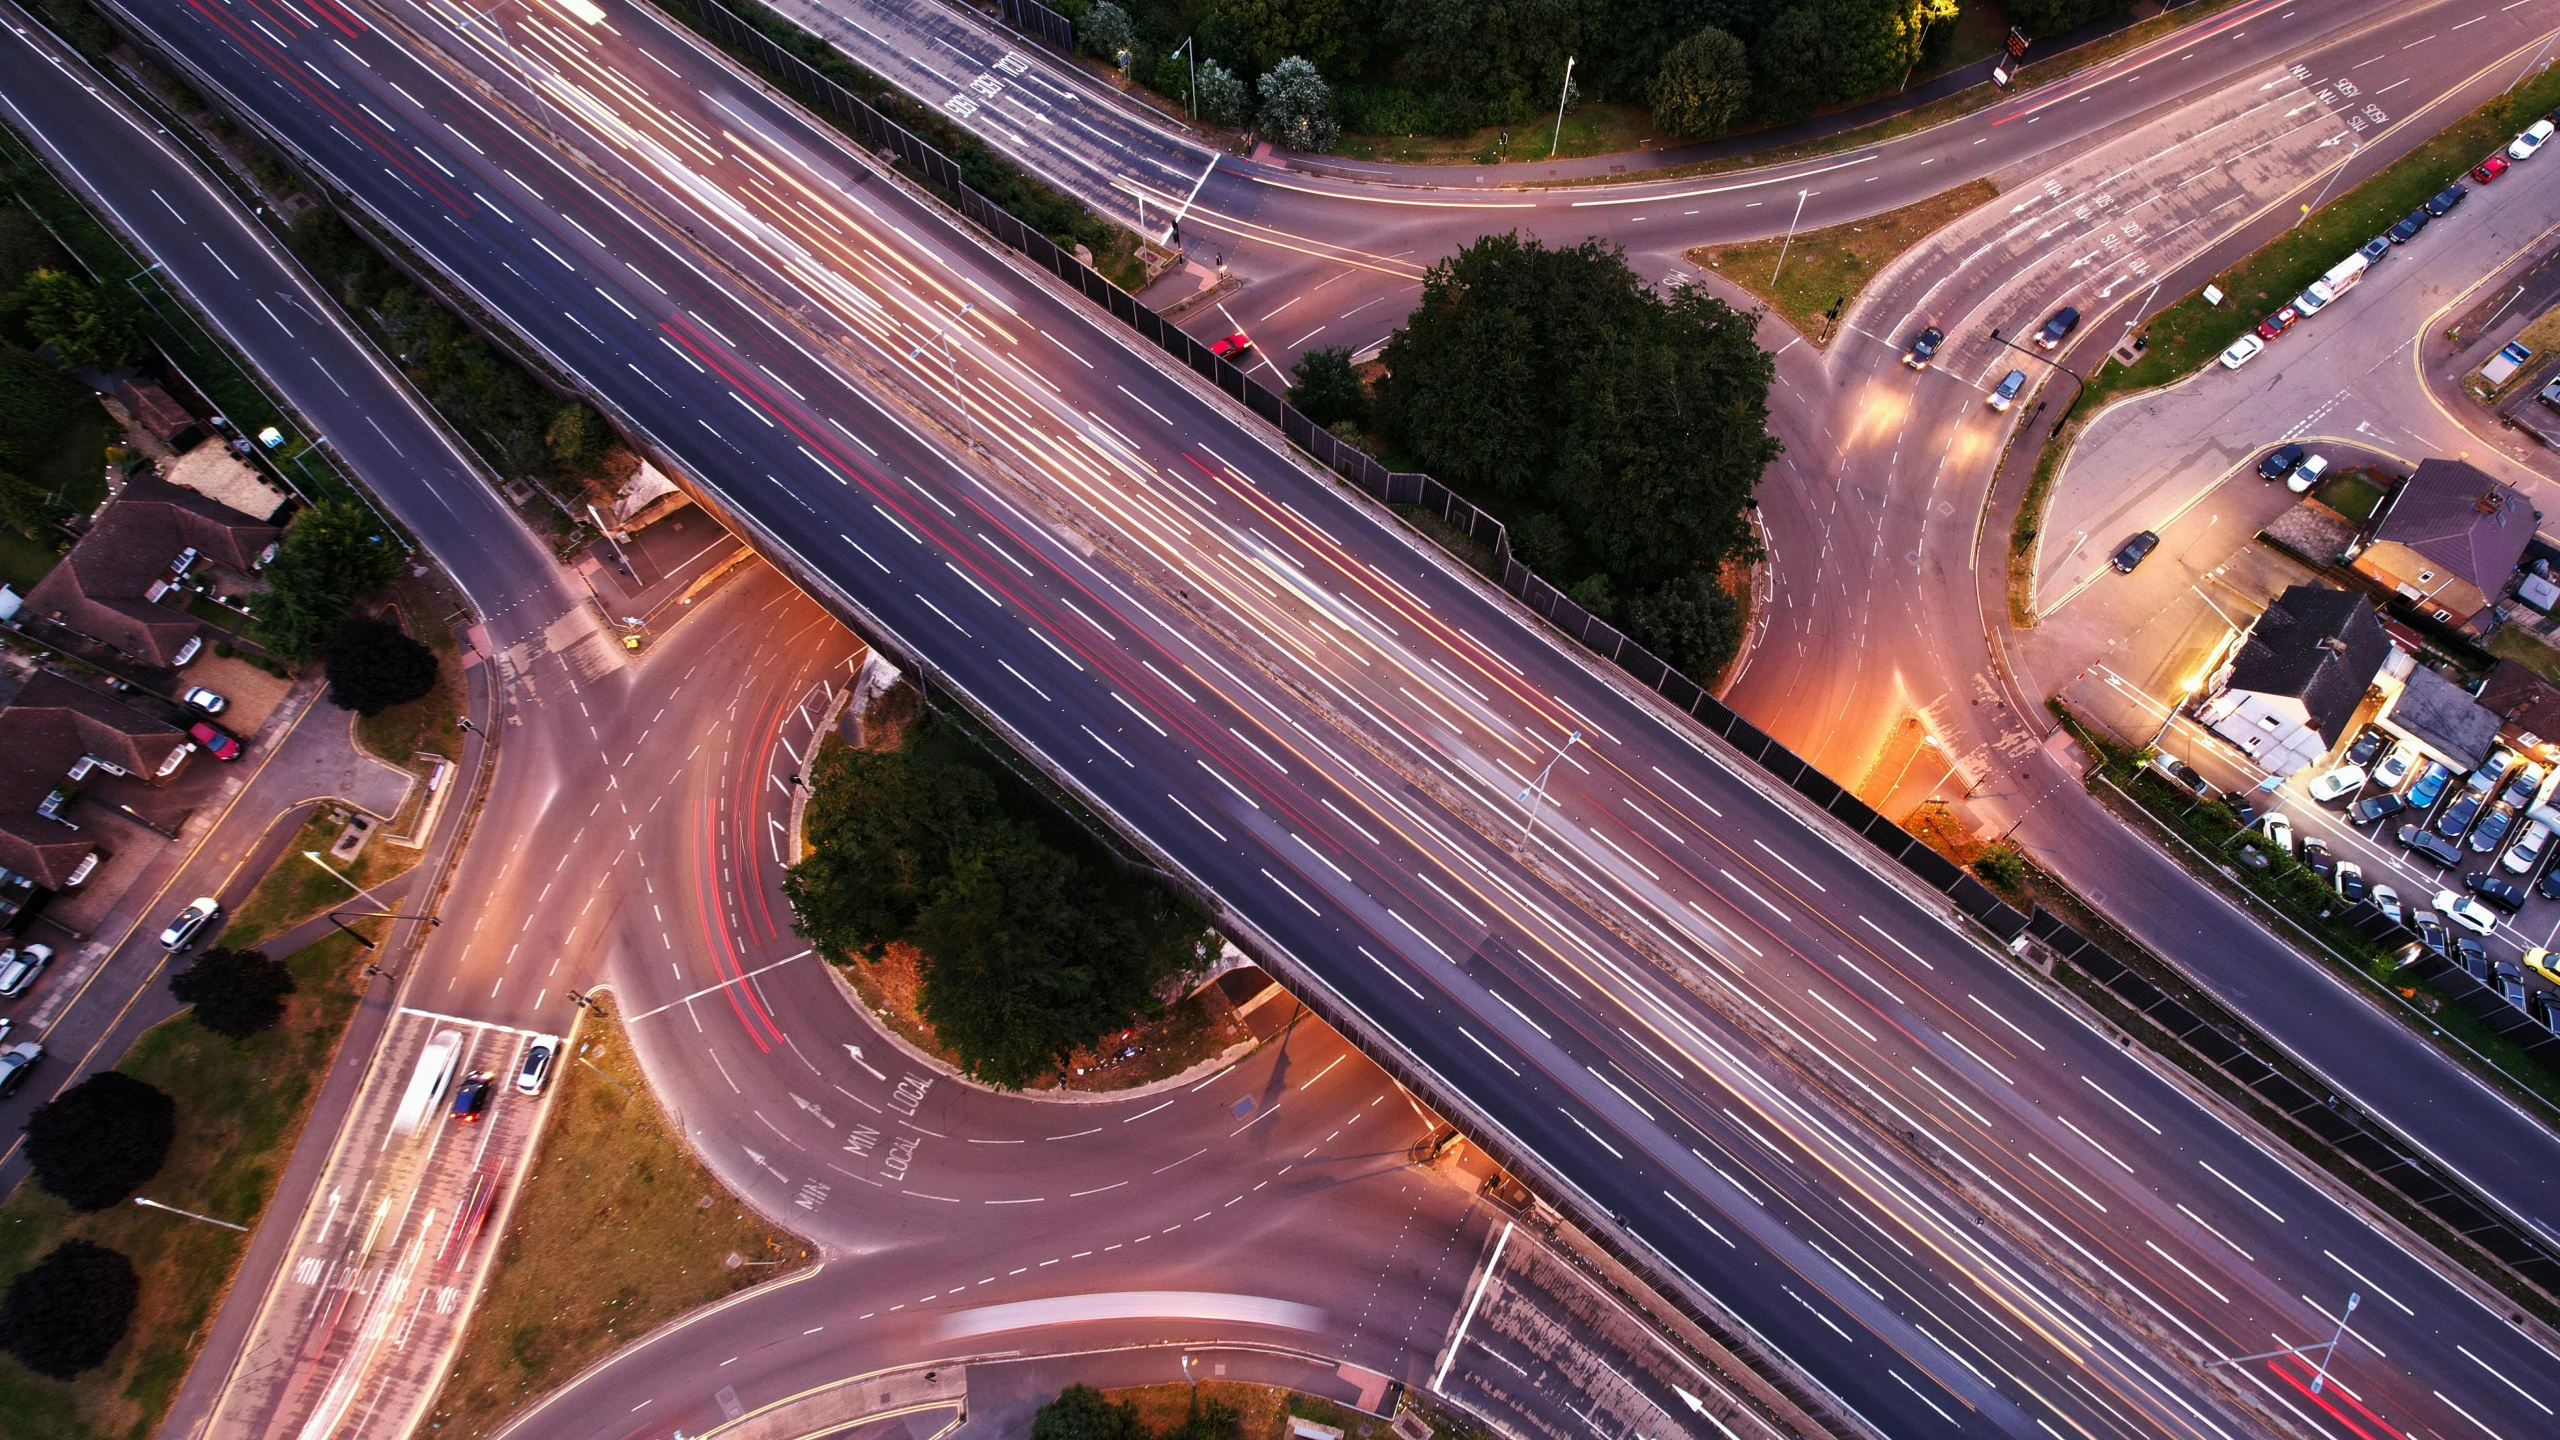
2458, 517
100, 587
50, 725
2318, 645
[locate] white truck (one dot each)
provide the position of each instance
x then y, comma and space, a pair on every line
427, 1082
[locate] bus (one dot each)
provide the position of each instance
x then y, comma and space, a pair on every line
426, 1084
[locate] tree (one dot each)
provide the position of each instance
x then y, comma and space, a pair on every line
882, 828
235, 992
1080, 1413
36, 401
577, 438
373, 666
97, 1142
1326, 389
1322, 30
1789, 74
335, 554
1690, 622
1222, 97
1702, 85
2052, 17
1106, 31
1872, 44
63, 1314
25, 506
87, 327
1297, 108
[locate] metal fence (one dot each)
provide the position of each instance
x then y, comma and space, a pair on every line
1040, 23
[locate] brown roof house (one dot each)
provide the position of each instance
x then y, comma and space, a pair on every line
55, 735
2527, 707
119, 584
2298, 677
2448, 541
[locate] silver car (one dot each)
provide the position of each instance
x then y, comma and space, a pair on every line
20, 967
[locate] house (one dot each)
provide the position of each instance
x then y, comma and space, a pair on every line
56, 734
2294, 682
156, 414
2528, 710
2439, 718
2447, 541
119, 584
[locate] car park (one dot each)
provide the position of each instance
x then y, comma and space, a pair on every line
2431, 783
470, 1098
2132, 552
2442, 202
2307, 476
2349, 878
2280, 462
2242, 351
217, 742
2377, 807
2435, 847
2375, 248
2472, 956
2409, 226
2179, 773
2527, 850
15, 1062
2506, 894
2005, 394
2329, 784
2466, 912
2510, 983
20, 967
2278, 323
2279, 830
2489, 169
1924, 347
2456, 818
534, 1071
182, 932
2395, 766
2386, 900
2059, 328
199, 698
2535, 136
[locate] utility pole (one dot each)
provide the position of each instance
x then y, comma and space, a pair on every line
364, 914
1561, 97
1790, 241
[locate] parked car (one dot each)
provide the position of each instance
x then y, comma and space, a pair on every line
2243, 814
2366, 746
2506, 894
2409, 226
2315, 297
15, 1062
2489, 169
1234, 347
2430, 931
2377, 807
2375, 248
2538, 960
2431, 783
2492, 828
2307, 476
534, 1071
2472, 956
2005, 394
199, 698
2442, 202
2278, 323
2280, 462
2457, 817
187, 652
2059, 328
2177, 772
20, 967
218, 742
2526, 853
2548, 887
2329, 784
471, 1097
2535, 136
2520, 790
2387, 900
2466, 912
2242, 351
2314, 853
2435, 847
2395, 766
2132, 552
2349, 878
190, 923
1924, 347
2278, 829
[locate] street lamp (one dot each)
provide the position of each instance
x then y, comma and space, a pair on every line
382, 914
1562, 97
942, 332
1539, 790
190, 1214
1789, 242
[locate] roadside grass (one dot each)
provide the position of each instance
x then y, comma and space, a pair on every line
241, 1105
1599, 128
2514, 642
433, 722
1263, 1412
294, 889
2030, 519
1832, 265
618, 1230
2354, 494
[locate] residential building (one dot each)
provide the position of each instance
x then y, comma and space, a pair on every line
2294, 682
2528, 710
119, 584
58, 736
2437, 716
2447, 541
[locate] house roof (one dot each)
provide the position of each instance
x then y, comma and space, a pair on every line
2318, 645
101, 587
153, 408
2443, 717
2458, 517
49, 725
2523, 699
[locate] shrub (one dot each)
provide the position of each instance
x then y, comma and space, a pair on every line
225, 649
1702, 85
63, 1314
235, 992
335, 554
373, 666
97, 1142
1222, 97
1105, 31
1297, 108
1326, 389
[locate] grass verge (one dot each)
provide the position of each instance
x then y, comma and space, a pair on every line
619, 1229
2513, 642
294, 889
1832, 265
241, 1106
1596, 129
1263, 1412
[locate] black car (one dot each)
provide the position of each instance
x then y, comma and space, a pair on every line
2376, 807
1924, 346
2064, 321
2245, 815
2549, 884
2434, 847
2506, 894
2375, 248
2430, 931
2445, 199
2314, 852
470, 1098
2368, 745
2409, 226
2132, 552
2493, 828
2473, 956
2457, 817
2280, 462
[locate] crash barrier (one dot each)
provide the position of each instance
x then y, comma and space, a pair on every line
1040, 23
2391, 1163
2408, 1175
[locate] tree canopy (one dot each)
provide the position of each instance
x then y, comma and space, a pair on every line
336, 553
2052, 17
1325, 387
89, 328
1033, 945
63, 1314
1297, 107
97, 1142
1618, 433
236, 992
373, 665
1703, 85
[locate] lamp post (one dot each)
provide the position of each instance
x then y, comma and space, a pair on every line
1562, 96
149, 1203
382, 914
1790, 241
1535, 795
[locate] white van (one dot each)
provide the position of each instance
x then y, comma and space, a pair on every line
2342, 277
426, 1084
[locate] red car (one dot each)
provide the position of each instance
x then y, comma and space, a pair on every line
2489, 169
1231, 348
214, 738
2278, 323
